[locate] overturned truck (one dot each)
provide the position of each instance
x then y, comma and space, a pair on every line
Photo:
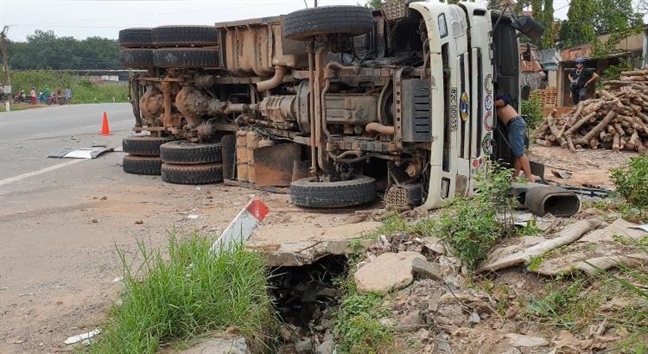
335, 102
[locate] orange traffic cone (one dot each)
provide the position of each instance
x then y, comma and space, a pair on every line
105, 129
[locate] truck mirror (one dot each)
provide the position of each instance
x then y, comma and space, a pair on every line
529, 27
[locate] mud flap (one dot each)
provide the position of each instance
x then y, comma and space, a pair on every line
274, 164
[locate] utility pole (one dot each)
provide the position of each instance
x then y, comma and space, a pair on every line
6, 79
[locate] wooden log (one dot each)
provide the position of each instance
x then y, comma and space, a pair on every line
632, 143
643, 116
594, 143
639, 125
550, 137
579, 123
614, 99
554, 130
543, 142
592, 106
570, 144
634, 72
619, 129
615, 143
599, 127
641, 148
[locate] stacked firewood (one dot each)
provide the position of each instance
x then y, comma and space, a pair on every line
617, 119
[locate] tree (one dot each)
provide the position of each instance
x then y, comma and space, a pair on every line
44, 50
373, 4
618, 19
579, 27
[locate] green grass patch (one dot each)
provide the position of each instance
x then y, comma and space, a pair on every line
83, 90
186, 292
358, 327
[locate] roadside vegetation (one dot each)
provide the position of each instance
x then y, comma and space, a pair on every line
185, 292
532, 110
83, 90
358, 326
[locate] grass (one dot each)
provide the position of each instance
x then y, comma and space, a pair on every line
83, 90
575, 302
187, 292
358, 328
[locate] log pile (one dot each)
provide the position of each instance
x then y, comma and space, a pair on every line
617, 119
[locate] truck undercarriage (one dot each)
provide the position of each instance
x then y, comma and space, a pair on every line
334, 102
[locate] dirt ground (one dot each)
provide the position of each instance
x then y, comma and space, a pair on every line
59, 259
62, 284
588, 167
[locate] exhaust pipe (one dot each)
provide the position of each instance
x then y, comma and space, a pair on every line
266, 85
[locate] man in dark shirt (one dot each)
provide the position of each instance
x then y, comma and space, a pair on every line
580, 78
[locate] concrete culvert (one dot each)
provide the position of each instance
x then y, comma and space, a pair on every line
552, 200
306, 299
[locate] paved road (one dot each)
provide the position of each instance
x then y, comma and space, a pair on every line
26, 137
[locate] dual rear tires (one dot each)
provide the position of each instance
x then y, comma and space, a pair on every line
178, 162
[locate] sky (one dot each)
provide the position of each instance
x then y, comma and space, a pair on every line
104, 18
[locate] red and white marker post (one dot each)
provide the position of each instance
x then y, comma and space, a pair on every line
241, 228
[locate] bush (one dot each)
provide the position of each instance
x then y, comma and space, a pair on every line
632, 181
187, 293
471, 226
532, 109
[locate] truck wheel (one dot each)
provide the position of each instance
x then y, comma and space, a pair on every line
311, 194
136, 57
186, 153
144, 145
350, 20
186, 57
185, 36
142, 165
192, 174
135, 37
228, 143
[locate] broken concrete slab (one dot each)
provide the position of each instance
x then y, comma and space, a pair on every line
220, 346
296, 254
425, 269
389, 271
519, 340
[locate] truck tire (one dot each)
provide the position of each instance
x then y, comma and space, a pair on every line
186, 57
186, 153
135, 37
350, 20
228, 143
311, 194
144, 145
142, 165
136, 57
192, 174
185, 36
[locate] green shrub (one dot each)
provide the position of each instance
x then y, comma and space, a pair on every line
471, 226
632, 181
532, 109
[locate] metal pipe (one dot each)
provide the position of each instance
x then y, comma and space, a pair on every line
363, 157
380, 129
280, 72
166, 91
339, 66
323, 99
311, 109
320, 59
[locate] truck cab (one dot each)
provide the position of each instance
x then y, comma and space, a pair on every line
335, 103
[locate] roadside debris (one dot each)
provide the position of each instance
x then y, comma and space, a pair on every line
83, 153
389, 271
83, 337
241, 228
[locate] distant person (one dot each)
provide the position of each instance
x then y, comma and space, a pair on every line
580, 78
68, 94
516, 126
32, 95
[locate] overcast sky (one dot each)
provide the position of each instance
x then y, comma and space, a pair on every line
104, 18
